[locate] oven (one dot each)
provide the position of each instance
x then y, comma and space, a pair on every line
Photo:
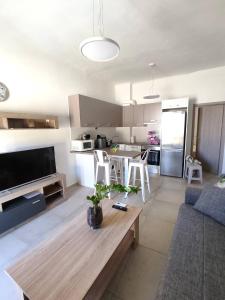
154, 157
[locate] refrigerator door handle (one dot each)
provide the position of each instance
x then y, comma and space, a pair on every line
172, 150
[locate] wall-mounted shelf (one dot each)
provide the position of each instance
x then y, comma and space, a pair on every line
52, 189
27, 121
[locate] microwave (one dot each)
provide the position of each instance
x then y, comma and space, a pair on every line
82, 145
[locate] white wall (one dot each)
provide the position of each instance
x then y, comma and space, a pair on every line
38, 84
203, 86
206, 86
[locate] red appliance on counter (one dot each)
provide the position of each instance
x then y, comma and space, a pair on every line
153, 138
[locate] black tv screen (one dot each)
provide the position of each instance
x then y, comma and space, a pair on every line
17, 168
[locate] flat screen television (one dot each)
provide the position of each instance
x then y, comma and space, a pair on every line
21, 167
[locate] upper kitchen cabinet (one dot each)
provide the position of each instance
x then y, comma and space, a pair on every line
138, 120
128, 116
133, 116
152, 113
90, 112
138, 115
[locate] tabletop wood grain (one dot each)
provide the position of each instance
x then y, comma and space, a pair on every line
67, 265
122, 154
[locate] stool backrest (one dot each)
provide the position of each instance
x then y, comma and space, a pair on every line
101, 156
189, 159
144, 156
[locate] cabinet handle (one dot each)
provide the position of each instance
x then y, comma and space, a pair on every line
36, 201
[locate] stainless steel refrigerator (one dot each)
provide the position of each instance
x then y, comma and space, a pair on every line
173, 142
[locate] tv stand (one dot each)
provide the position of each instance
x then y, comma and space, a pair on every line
48, 186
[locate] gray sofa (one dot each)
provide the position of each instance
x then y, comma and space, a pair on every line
196, 262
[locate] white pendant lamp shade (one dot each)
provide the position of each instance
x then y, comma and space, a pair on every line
151, 97
99, 49
152, 94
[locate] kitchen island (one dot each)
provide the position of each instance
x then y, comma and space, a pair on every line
85, 164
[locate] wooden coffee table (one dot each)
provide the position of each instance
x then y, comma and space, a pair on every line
77, 262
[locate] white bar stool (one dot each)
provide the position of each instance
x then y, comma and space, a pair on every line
143, 167
193, 172
103, 161
118, 164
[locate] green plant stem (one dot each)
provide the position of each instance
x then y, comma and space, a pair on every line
102, 191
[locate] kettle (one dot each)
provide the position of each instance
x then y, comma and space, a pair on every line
100, 142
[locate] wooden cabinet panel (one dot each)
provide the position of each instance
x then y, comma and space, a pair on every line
152, 112
128, 116
116, 115
138, 112
137, 115
90, 112
93, 113
209, 136
222, 145
74, 111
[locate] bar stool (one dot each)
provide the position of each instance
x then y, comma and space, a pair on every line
193, 169
143, 167
188, 161
118, 164
193, 172
104, 161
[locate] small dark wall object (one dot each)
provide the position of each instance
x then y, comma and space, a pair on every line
4, 92
94, 217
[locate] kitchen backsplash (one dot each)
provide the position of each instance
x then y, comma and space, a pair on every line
77, 132
119, 134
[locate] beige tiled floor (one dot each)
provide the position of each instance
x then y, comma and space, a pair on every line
140, 273
139, 277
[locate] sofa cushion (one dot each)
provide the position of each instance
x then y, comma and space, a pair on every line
196, 262
192, 194
214, 260
212, 203
183, 278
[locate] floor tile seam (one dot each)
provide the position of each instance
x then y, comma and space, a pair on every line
115, 294
161, 219
164, 201
154, 250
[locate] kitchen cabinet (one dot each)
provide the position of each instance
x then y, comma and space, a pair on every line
90, 112
133, 116
85, 169
128, 115
152, 113
138, 113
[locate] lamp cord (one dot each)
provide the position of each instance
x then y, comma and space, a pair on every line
100, 19
93, 17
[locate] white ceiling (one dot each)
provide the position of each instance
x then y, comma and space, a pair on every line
180, 36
